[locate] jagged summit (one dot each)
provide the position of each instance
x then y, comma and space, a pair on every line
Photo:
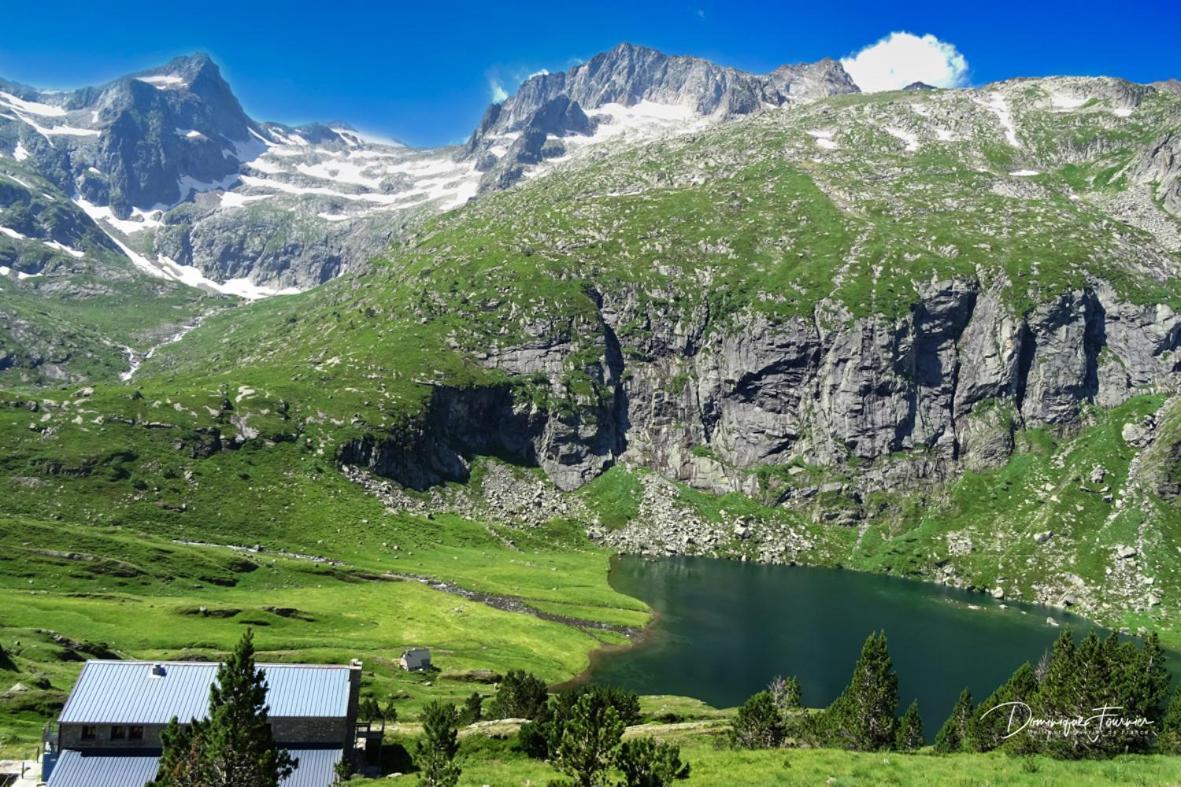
631, 89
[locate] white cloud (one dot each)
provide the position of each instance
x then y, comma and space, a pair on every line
543, 72
902, 58
499, 94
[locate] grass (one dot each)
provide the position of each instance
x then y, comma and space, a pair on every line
614, 497
488, 760
83, 581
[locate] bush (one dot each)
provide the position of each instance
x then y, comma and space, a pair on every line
759, 724
645, 762
590, 735
540, 738
520, 695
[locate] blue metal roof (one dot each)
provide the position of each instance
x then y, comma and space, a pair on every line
75, 769
126, 692
78, 769
317, 767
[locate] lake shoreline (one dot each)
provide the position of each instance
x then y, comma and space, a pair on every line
732, 626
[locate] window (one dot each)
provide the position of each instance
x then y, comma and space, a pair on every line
118, 732
135, 732
89, 732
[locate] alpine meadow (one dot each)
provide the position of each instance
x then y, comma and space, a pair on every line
461, 430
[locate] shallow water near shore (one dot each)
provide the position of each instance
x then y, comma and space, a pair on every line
724, 629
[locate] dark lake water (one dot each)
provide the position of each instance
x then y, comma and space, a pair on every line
725, 629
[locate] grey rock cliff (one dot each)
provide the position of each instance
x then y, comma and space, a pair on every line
944, 387
630, 74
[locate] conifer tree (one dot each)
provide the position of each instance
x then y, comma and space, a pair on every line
233, 746
996, 718
646, 762
910, 729
759, 724
436, 749
389, 714
1169, 738
520, 695
786, 693
589, 739
182, 762
473, 708
953, 735
864, 717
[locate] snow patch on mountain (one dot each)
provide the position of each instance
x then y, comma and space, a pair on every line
997, 104
30, 107
164, 81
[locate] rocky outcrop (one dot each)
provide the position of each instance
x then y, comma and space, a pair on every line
1160, 166
940, 388
538, 139
458, 424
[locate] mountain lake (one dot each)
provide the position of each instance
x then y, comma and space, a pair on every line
724, 629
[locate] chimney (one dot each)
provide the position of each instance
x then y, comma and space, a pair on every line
158, 671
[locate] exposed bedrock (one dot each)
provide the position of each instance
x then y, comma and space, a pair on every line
940, 389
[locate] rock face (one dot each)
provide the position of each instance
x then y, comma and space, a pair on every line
143, 141
950, 383
550, 106
629, 74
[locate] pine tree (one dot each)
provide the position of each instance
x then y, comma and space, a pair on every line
473, 708
233, 746
1148, 681
182, 763
238, 735
953, 735
759, 724
995, 719
1169, 738
589, 740
520, 695
864, 717
540, 737
910, 729
436, 749
368, 710
389, 714
645, 762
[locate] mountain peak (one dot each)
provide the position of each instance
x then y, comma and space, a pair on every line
184, 70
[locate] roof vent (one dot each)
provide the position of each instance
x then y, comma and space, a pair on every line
158, 671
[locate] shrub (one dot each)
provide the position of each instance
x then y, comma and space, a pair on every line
520, 695
646, 762
759, 724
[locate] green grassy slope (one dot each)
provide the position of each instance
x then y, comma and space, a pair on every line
100, 493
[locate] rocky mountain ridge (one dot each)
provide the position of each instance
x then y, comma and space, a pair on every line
193, 190
629, 83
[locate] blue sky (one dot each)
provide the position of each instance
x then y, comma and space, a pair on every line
424, 74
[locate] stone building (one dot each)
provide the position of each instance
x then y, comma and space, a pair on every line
416, 659
108, 734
